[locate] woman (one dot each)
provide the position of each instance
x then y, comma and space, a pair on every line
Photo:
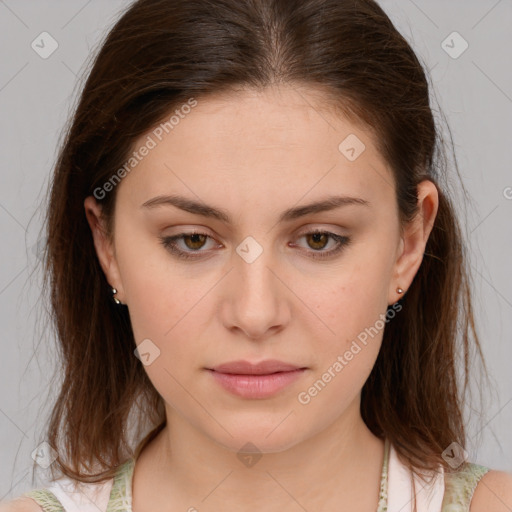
253, 270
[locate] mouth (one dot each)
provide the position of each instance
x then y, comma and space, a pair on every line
266, 367
256, 381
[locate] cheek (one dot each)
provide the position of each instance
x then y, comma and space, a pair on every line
157, 295
338, 382
347, 345
355, 325
160, 308
351, 298
166, 307
166, 319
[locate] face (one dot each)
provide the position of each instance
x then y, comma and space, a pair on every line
264, 276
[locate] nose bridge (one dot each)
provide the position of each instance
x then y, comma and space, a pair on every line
257, 282
257, 300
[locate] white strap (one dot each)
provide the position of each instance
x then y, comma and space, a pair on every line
429, 497
82, 498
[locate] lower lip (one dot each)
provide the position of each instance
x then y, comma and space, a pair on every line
256, 386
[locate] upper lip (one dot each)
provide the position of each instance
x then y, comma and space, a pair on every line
262, 368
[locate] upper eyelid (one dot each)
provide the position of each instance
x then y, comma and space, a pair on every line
200, 230
301, 233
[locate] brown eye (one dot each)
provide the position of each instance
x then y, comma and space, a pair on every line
185, 245
317, 240
197, 240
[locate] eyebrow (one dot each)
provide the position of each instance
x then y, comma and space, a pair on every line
198, 208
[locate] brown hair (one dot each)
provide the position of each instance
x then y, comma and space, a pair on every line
160, 54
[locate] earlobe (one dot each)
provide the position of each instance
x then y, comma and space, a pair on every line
102, 243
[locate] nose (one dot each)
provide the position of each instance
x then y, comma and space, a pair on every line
256, 298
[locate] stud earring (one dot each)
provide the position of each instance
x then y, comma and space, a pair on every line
116, 300
399, 290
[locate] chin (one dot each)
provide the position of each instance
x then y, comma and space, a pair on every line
258, 439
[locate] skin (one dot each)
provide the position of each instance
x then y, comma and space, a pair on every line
256, 154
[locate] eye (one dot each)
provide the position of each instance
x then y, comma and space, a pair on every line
195, 241
319, 239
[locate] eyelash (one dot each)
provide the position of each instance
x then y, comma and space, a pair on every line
169, 242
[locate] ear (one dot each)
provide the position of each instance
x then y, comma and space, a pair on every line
104, 246
414, 239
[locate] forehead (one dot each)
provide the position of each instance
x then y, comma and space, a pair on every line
259, 146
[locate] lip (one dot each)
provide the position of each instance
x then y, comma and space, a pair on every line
256, 381
266, 367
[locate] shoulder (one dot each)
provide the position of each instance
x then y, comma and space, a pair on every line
493, 493
22, 504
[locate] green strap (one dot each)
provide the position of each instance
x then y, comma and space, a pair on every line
383, 493
120, 495
460, 486
45, 499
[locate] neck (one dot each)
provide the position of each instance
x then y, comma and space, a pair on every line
336, 468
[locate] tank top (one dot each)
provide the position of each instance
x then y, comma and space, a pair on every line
445, 492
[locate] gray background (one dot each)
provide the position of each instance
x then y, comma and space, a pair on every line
36, 96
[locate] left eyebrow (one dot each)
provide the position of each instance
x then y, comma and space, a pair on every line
199, 208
